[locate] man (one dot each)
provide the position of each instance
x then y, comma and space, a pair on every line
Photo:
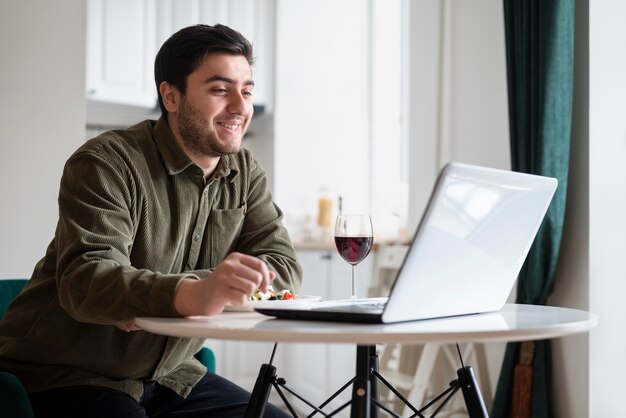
167, 218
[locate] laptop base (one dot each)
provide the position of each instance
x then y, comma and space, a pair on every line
365, 402
319, 315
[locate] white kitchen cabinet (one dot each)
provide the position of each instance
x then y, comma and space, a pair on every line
121, 45
123, 38
326, 274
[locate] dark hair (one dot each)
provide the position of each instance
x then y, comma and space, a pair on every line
183, 52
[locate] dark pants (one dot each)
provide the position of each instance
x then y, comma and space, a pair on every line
213, 396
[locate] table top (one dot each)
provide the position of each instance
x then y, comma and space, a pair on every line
514, 322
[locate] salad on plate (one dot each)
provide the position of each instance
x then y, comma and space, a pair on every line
260, 299
271, 294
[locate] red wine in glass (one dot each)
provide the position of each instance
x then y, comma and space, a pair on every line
353, 249
353, 239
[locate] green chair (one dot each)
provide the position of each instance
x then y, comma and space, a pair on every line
14, 402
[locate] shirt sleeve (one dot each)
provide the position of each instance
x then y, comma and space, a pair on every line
263, 234
95, 279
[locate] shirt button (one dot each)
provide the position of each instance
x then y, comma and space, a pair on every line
205, 192
197, 237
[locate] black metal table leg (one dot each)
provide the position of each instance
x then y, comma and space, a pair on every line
373, 367
471, 393
261, 392
365, 387
360, 407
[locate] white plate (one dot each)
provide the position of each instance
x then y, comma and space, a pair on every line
250, 305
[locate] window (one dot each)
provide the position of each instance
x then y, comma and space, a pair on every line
338, 105
389, 141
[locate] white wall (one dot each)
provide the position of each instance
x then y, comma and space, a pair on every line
321, 104
458, 97
590, 368
607, 205
42, 119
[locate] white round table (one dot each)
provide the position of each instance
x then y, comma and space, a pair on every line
513, 322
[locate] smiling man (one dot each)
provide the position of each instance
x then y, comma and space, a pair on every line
166, 218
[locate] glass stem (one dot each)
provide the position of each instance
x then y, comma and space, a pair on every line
353, 297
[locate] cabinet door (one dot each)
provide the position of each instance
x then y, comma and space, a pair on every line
340, 277
315, 268
121, 46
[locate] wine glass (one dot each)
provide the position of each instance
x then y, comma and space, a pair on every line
353, 239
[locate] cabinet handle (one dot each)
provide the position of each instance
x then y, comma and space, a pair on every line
326, 256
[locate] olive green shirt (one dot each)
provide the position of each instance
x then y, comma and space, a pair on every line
136, 216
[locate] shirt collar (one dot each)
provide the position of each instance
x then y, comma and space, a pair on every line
176, 161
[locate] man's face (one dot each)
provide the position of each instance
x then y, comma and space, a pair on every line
216, 109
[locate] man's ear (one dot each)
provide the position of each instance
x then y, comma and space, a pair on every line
170, 96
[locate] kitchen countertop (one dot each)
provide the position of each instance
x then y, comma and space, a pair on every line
314, 245
323, 245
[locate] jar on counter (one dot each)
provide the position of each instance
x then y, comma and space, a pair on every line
325, 216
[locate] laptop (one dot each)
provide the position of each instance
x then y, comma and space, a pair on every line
465, 255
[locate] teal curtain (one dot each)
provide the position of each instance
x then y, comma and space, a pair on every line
540, 58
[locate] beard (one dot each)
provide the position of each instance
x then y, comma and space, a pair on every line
197, 135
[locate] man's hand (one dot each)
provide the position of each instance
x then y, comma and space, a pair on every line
128, 326
233, 281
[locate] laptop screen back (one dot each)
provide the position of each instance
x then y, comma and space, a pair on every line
471, 243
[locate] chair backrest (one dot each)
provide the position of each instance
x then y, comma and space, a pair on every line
14, 402
9, 288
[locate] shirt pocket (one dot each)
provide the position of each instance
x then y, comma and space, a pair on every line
226, 225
